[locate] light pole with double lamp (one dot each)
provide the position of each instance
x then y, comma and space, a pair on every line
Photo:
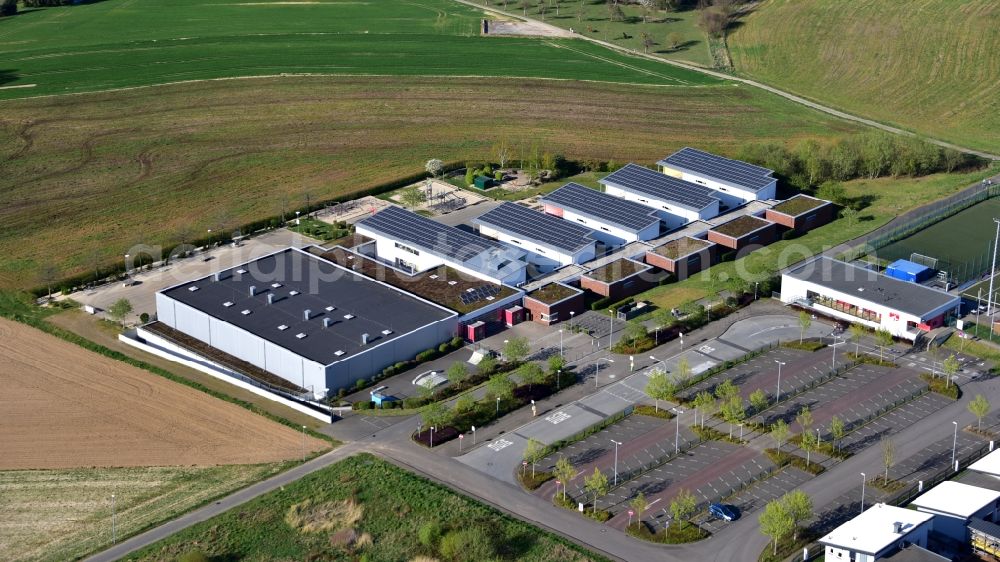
616, 460
777, 395
661, 362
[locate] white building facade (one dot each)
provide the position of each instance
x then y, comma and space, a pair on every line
735, 182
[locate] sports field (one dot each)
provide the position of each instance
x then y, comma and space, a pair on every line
91, 175
928, 66
123, 43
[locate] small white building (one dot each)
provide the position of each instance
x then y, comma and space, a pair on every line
876, 534
735, 181
850, 292
613, 220
416, 243
988, 465
550, 242
953, 504
676, 202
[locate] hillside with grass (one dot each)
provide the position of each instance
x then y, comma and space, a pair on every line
928, 66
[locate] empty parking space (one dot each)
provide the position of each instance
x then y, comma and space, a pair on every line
893, 421
749, 501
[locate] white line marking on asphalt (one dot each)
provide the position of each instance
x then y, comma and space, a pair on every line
500, 444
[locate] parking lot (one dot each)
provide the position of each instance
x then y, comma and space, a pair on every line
749, 501
893, 421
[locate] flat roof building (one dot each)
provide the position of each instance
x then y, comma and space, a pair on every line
614, 220
305, 319
549, 241
989, 465
955, 504
877, 533
856, 294
676, 201
417, 243
734, 181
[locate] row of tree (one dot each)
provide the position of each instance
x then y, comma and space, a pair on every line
8, 7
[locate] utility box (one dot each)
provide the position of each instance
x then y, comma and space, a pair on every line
483, 182
513, 315
906, 270
475, 331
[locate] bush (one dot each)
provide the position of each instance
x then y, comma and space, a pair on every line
937, 384
144, 317
443, 348
360, 383
363, 405
712, 434
429, 534
193, 556
781, 458
647, 410
533, 482
806, 345
427, 355
473, 544
675, 534
601, 304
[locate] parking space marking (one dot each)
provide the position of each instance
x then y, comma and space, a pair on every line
500, 444
557, 417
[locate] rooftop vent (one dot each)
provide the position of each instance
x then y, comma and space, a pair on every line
338, 353
469, 290
253, 290
861, 289
348, 316
275, 285
453, 282
227, 304
217, 276
491, 297
300, 335
331, 308
386, 332
364, 339
306, 314
282, 327
270, 298
327, 322
245, 312
897, 528
292, 293
193, 288
241, 271
434, 276
350, 257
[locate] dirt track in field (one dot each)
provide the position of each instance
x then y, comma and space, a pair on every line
62, 406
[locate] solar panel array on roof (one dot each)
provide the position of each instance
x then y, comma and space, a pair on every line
519, 220
433, 236
639, 179
601, 206
710, 165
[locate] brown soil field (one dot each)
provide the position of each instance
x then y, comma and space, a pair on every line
66, 407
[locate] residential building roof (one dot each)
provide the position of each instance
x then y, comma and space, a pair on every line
706, 164
643, 181
593, 204
546, 230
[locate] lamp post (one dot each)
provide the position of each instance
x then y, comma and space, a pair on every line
558, 379
755, 283
777, 397
504, 354
114, 522
432, 437
303, 449
611, 323
954, 445
833, 356
209, 238
677, 430
473, 435
989, 293
561, 343
498, 406
126, 266
863, 479
572, 313
680, 336
597, 369
616, 460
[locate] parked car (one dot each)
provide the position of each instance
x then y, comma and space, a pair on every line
723, 511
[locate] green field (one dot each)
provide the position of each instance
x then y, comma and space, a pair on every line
66, 514
382, 506
930, 67
124, 43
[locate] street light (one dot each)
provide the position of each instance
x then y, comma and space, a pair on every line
755, 283
210, 238
303, 443
616, 460
954, 445
680, 335
504, 354
863, 479
597, 369
126, 265
571, 314
114, 523
498, 406
777, 397
558, 379
432, 437
560, 343
611, 323
677, 430
833, 356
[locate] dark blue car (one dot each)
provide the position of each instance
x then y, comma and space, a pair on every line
723, 511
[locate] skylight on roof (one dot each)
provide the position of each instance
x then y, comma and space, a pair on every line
282, 327
452, 282
245, 312
300, 335
434, 276
241, 271
275, 285
193, 288
348, 316
227, 304
292, 293
331, 308
338, 353
386, 332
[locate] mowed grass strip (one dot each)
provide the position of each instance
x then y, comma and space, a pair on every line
360, 496
118, 44
56, 515
86, 177
931, 68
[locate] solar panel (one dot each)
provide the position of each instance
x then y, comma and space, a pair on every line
518, 220
602, 207
430, 235
710, 165
642, 180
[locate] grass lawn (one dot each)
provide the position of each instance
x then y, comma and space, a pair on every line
382, 506
66, 514
891, 197
124, 43
92, 175
931, 70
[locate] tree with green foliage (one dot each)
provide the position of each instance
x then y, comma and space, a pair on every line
556, 363
683, 371
837, 430
534, 450
663, 318
486, 365
799, 506
884, 340
564, 472
705, 404
776, 522
413, 197
950, 368
808, 442
639, 504
779, 433
682, 507
434, 167
120, 310
516, 349
857, 332
597, 485
659, 387
804, 418
758, 400
8, 8
734, 411
850, 215
726, 390
502, 151
634, 332
435, 415
463, 404
457, 373
530, 374
979, 407
500, 386
805, 321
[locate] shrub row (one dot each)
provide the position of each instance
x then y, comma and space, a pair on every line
937, 384
783, 458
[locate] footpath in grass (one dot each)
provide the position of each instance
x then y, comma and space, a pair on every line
55, 515
365, 508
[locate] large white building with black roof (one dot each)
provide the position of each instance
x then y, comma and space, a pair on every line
417, 243
305, 319
734, 181
851, 292
550, 242
614, 221
676, 202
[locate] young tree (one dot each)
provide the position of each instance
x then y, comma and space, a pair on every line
463, 404
758, 400
704, 403
799, 506
779, 433
683, 371
805, 320
413, 197
434, 167
663, 318
884, 339
435, 415
674, 39
596, 484
808, 443
734, 411
564, 472
516, 349
647, 40
502, 151
837, 430
633, 332
950, 368
120, 310
486, 365
776, 522
530, 374
857, 332
639, 504
804, 419
850, 215
682, 507
979, 407
457, 373
888, 455
500, 386
556, 363
726, 390
659, 387
48, 275
533, 452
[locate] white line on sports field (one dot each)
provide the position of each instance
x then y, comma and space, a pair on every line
18, 86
